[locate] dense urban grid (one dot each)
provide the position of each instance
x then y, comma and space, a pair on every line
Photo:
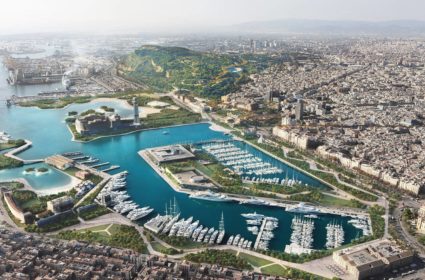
361, 103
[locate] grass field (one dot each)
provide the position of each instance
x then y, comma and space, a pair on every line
5, 146
122, 236
335, 201
158, 246
31, 204
209, 169
274, 269
6, 162
114, 229
96, 228
255, 261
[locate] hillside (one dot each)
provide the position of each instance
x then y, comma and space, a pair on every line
166, 68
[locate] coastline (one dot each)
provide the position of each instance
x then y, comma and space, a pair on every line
130, 132
122, 102
49, 191
216, 127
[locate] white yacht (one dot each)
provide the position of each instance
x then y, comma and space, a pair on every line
255, 201
211, 196
302, 208
254, 216
220, 237
236, 240
230, 241
138, 214
196, 232
254, 222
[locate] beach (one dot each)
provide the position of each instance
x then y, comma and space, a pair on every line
49, 191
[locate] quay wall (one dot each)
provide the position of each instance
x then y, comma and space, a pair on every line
241, 198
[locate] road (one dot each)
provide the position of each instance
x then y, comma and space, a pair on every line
410, 240
5, 219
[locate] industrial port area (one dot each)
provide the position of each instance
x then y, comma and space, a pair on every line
65, 70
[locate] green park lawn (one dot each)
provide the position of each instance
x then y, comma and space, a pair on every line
255, 261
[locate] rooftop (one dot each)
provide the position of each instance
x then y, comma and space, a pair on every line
170, 153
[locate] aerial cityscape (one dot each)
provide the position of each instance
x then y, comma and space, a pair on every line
181, 140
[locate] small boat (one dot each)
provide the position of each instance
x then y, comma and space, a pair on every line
253, 222
311, 216
230, 241
254, 216
236, 240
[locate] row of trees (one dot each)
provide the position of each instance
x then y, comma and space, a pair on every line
122, 237
223, 258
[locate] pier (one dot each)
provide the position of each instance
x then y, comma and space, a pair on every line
71, 154
100, 164
90, 161
301, 237
260, 233
79, 157
113, 167
100, 173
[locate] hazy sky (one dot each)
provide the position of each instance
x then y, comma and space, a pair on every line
105, 16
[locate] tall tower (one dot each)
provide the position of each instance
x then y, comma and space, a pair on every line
136, 120
299, 110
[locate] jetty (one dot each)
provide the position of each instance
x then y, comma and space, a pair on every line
301, 237
113, 167
260, 234
12, 153
100, 164
79, 157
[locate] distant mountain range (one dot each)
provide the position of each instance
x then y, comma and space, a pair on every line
324, 27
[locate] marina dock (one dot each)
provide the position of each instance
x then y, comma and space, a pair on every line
260, 233
100, 173
301, 237
100, 164
113, 167
79, 157
273, 202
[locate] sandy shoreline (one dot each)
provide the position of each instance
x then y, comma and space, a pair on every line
49, 191
219, 128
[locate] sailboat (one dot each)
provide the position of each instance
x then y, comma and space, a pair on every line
221, 230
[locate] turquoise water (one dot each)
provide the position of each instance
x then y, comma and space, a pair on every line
48, 132
287, 171
40, 182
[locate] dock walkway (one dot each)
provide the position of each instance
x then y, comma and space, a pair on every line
12, 153
260, 233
